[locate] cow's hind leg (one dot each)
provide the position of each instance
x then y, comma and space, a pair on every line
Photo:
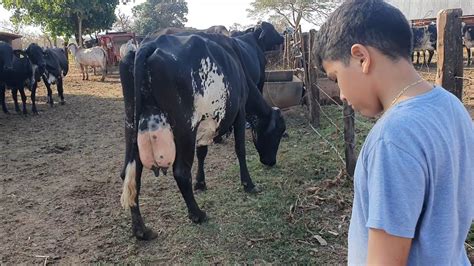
130, 199
182, 175
200, 177
2, 99
15, 100
50, 93
23, 100
239, 135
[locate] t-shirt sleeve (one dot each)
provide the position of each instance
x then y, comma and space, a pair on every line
396, 185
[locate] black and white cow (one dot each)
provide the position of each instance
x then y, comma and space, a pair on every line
424, 40
468, 38
181, 92
57, 68
28, 66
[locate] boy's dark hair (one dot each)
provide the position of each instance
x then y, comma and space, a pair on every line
372, 23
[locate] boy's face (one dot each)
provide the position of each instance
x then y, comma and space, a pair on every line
355, 85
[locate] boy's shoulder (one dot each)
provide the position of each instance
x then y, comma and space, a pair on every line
419, 121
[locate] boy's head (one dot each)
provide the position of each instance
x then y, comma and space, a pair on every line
354, 40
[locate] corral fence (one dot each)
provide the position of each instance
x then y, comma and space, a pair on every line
298, 54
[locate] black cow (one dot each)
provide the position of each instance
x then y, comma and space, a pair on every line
189, 89
56, 69
28, 66
424, 40
6, 57
468, 37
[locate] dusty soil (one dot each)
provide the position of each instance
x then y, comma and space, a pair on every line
60, 189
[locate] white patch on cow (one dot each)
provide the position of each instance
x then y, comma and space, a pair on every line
210, 104
51, 79
129, 186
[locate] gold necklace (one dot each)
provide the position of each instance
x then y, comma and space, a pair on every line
403, 91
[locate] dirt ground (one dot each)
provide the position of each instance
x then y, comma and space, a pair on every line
60, 191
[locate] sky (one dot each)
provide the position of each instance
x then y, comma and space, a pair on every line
202, 13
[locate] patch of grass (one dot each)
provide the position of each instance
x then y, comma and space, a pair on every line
278, 225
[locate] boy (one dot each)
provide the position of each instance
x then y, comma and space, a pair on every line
414, 180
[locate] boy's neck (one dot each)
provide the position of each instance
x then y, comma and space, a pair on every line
396, 77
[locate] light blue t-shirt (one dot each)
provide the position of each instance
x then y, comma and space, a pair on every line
415, 179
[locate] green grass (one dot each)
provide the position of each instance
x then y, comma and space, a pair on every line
303, 196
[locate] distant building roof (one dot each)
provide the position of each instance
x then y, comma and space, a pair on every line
421, 9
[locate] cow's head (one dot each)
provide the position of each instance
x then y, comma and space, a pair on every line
6, 55
36, 57
267, 36
267, 135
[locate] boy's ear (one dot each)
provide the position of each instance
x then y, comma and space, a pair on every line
360, 53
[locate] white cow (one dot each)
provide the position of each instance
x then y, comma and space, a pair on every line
127, 47
94, 57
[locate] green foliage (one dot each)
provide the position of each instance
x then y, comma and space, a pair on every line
62, 17
158, 14
292, 12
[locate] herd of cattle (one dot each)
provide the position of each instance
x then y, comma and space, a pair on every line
183, 89
425, 38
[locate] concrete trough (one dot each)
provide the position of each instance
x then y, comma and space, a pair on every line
278, 75
283, 94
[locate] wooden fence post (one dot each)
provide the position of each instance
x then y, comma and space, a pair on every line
450, 54
312, 88
349, 138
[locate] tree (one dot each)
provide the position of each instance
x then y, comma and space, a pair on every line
123, 22
293, 11
158, 14
64, 17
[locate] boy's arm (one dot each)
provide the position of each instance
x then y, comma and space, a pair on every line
386, 249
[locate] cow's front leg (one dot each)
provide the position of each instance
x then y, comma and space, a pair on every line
15, 100
468, 56
130, 198
33, 98
182, 174
60, 89
239, 135
201, 153
83, 68
2, 99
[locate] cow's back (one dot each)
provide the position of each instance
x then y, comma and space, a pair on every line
196, 81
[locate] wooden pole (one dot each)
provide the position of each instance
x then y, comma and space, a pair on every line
349, 138
450, 55
312, 88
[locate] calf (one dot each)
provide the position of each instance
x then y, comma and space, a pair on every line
183, 91
28, 66
468, 37
56, 69
94, 57
424, 40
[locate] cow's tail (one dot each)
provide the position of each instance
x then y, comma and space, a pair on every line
133, 108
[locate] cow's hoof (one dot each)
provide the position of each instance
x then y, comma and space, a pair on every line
6, 112
198, 217
35, 112
146, 234
62, 102
252, 190
200, 186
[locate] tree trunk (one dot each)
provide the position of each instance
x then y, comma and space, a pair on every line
79, 32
